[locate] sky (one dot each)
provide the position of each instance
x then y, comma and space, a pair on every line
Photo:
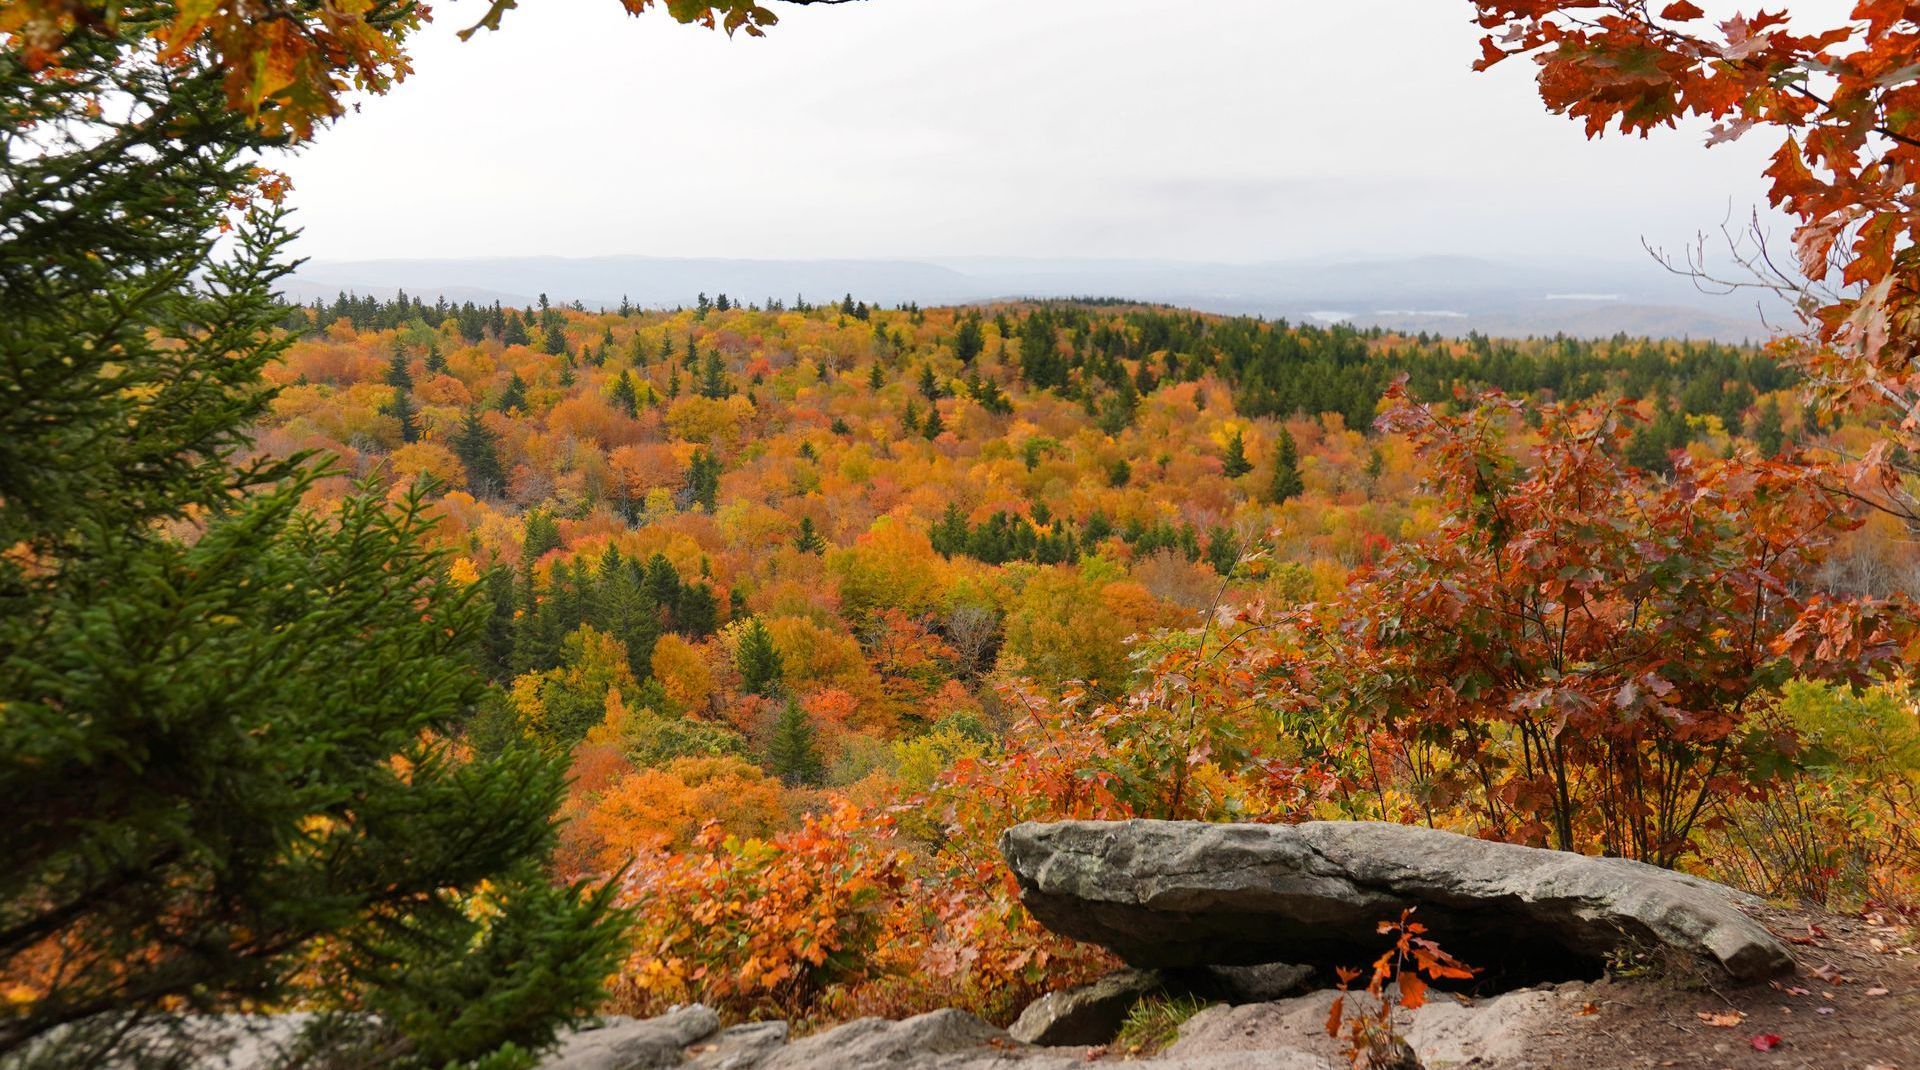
1202, 130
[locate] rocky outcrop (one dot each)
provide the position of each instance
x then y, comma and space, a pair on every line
1167, 894
1089, 1014
634, 1043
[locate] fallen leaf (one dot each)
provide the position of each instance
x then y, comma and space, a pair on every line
1765, 1042
1720, 1019
1798, 991
1586, 1009
1830, 974
1823, 1010
1876, 991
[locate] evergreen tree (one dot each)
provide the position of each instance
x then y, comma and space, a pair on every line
969, 340
713, 377
698, 614
479, 454
398, 375
555, 340
793, 753
401, 409
1236, 463
875, 377
929, 386
703, 479
203, 738
1286, 483
1040, 362
625, 397
809, 539
514, 396
436, 364
933, 425
516, 332
757, 660
1769, 429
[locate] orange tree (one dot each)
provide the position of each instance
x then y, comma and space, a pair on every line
1581, 654
1843, 102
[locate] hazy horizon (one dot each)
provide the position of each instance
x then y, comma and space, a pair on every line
1240, 131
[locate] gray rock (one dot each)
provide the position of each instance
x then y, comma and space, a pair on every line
1243, 984
939, 1039
633, 1044
1089, 1014
740, 1047
1166, 894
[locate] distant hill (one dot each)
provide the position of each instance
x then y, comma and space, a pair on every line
1440, 295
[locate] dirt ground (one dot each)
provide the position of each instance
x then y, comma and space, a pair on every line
1853, 1004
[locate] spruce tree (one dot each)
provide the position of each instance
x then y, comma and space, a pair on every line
554, 341
933, 426
479, 454
1236, 463
1286, 483
793, 753
401, 409
809, 539
757, 660
514, 396
230, 760
968, 341
625, 397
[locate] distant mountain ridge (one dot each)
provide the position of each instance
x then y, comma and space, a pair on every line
1448, 295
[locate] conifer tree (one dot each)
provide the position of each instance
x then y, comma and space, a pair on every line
757, 660
625, 397
554, 341
713, 377
1286, 483
968, 341
398, 375
479, 454
1236, 463
793, 753
933, 425
514, 396
516, 332
809, 539
231, 757
401, 409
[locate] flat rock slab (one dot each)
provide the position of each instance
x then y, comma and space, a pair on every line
1173, 894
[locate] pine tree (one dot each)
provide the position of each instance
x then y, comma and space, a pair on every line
933, 426
703, 479
401, 409
1286, 482
555, 340
876, 378
713, 377
698, 614
625, 397
398, 375
516, 332
929, 386
514, 396
1769, 428
809, 540
436, 364
203, 737
1236, 463
479, 454
757, 660
968, 341
793, 753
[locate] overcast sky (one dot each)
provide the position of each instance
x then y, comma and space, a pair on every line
1236, 130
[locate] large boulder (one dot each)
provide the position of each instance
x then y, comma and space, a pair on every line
1173, 894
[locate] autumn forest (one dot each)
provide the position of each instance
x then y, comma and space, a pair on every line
442, 675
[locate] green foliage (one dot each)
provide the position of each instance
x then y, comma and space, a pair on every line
757, 660
1286, 483
794, 754
1235, 462
226, 753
